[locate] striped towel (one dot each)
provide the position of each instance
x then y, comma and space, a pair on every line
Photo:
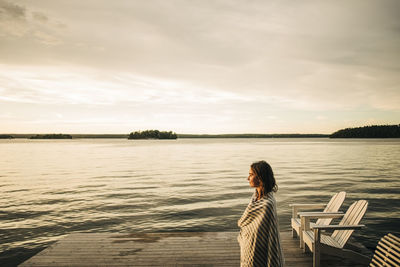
259, 238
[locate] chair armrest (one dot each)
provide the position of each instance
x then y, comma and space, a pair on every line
337, 227
317, 230
310, 206
297, 207
306, 216
318, 215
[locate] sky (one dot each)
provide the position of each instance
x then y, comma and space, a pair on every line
198, 66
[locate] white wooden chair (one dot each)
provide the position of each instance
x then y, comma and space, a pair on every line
387, 252
334, 244
332, 207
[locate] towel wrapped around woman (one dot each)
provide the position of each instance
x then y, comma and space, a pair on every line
259, 238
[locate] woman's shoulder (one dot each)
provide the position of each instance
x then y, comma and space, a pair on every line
268, 199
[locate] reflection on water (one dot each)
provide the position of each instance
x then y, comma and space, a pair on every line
52, 188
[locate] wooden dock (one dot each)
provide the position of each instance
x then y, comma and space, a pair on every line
162, 249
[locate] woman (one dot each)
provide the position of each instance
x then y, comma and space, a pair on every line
259, 232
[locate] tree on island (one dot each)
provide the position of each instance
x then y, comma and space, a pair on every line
51, 136
152, 134
373, 131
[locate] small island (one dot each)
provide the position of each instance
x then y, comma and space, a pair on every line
51, 136
374, 131
6, 136
152, 134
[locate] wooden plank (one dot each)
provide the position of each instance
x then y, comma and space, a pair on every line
161, 249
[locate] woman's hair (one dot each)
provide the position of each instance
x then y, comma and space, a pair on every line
265, 175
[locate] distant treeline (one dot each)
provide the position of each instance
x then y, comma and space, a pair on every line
99, 135
374, 131
75, 135
252, 135
51, 136
6, 136
182, 135
152, 134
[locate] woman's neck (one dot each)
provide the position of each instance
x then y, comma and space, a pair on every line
259, 190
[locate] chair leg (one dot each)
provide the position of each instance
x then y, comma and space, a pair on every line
294, 233
301, 238
305, 248
317, 248
316, 257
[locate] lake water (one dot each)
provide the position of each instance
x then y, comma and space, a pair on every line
51, 188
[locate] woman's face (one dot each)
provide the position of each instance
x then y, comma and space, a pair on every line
253, 180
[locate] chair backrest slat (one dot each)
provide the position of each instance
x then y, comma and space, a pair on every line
374, 263
345, 221
393, 239
353, 216
387, 252
332, 206
353, 219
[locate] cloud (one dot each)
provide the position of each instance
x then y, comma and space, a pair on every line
231, 58
57, 86
12, 19
20, 25
40, 16
46, 38
12, 10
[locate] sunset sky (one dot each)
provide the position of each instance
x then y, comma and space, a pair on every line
198, 66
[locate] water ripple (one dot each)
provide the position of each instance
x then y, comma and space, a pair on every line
185, 185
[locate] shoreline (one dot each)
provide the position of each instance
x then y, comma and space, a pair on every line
183, 136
